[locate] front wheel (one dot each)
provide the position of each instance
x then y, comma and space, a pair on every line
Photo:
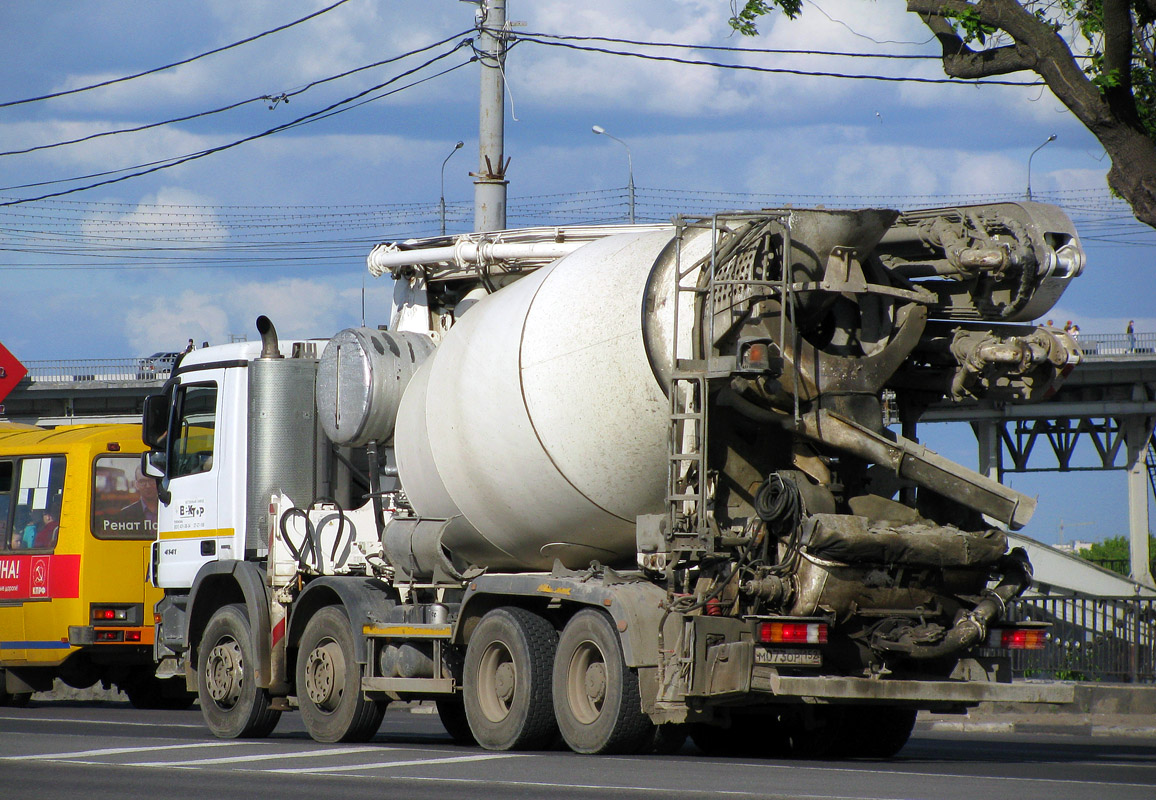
596, 695
329, 682
233, 706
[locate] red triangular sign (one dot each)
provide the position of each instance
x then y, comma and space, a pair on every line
11, 372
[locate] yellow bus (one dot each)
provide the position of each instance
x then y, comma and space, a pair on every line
77, 519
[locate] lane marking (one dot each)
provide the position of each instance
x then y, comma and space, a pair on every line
101, 722
257, 757
408, 763
112, 751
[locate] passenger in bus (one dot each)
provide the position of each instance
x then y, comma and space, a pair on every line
28, 529
49, 528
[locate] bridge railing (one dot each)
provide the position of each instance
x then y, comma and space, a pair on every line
1117, 345
95, 369
1090, 638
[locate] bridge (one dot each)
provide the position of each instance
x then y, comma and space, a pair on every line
1108, 401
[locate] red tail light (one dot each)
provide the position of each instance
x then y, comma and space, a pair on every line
1022, 638
793, 632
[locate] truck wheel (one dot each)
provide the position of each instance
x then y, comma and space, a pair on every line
596, 696
874, 731
233, 706
452, 713
329, 682
506, 680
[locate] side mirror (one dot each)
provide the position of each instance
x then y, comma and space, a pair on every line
151, 465
155, 421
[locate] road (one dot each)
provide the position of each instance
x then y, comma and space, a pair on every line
96, 751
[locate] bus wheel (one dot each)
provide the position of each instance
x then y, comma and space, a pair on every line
329, 682
233, 706
596, 695
506, 680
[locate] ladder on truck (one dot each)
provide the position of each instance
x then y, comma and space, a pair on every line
688, 479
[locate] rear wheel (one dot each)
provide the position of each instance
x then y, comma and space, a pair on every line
506, 678
329, 682
233, 706
875, 731
596, 695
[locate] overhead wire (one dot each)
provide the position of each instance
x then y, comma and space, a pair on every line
282, 97
328, 111
112, 81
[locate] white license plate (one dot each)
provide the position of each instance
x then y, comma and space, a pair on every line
790, 657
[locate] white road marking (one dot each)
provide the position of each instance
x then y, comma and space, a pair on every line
409, 763
259, 757
101, 722
112, 751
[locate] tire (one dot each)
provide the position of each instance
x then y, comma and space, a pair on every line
452, 712
874, 731
759, 735
146, 691
596, 697
507, 681
329, 682
233, 706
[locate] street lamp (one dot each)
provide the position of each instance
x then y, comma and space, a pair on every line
629, 166
1051, 138
442, 197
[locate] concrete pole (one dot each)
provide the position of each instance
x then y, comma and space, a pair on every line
1137, 433
990, 450
490, 179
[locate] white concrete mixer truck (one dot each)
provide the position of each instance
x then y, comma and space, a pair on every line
619, 485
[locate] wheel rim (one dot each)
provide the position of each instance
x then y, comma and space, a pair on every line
325, 675
586, 682
224, 673
497, 681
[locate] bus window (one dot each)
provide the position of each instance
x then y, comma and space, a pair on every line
9, 536
193, 449
124, 501
38, 494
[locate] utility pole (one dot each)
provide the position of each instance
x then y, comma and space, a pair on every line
490, 179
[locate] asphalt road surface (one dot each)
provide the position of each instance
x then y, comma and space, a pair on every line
94, 751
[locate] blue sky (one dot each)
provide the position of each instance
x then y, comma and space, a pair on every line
316, 190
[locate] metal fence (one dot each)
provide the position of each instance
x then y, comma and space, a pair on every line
1091, 638
97, 369
1117, 345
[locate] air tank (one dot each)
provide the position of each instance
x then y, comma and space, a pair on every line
541, 418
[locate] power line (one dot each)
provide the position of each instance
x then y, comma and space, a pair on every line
283, 97
778, 70
330, 110
112, 81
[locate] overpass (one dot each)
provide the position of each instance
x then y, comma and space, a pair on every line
1108, 401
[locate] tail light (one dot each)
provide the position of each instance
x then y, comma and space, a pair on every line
793, 632
1019, 638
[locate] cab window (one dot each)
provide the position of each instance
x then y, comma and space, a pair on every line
10, 538
39, 492
195, 430
124, 501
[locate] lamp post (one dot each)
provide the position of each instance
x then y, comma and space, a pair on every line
629, 166
1047, 141
442, 196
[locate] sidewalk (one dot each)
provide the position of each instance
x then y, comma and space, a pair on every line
1099, 710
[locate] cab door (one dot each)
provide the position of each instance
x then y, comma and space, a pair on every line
188, 520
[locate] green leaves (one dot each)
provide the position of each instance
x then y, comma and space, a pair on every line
744, 21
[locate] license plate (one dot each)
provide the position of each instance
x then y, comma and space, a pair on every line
788, 657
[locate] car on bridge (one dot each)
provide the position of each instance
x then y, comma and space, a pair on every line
158, 365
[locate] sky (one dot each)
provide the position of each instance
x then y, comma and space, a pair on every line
280, 225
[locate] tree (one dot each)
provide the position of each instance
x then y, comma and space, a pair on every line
1114, 553
1095, 55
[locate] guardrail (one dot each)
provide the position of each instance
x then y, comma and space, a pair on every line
1091, 638
96, 369
1117, 345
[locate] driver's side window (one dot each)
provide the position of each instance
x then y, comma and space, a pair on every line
195, 430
